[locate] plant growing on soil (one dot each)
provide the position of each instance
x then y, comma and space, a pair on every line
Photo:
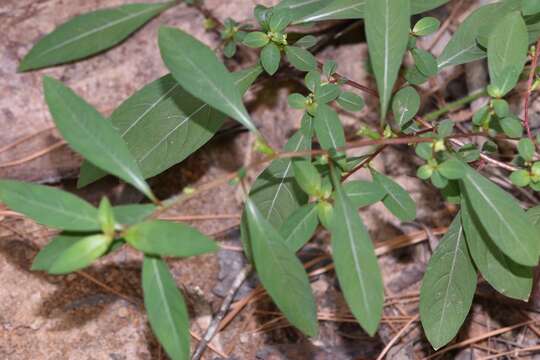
302, 186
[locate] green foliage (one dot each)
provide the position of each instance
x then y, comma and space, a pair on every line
166, 238
270, 57
397, 200
447, 288
89, 34
281, 273
196, 68
300, 58
387, 31
405, 105
328, 128
49, 206
80, 254
166, 309
300, 226
426, 26
363, 193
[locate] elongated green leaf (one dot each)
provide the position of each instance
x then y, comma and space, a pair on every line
387, 31
270, 57
88, 133
166, 309
507, 51
166, 238
397, 200
133, 213
506, 276
534, 215
300, 226
281, 273
328, 128
363, 193
199, 72
463, 47
297, 9
447, 288
49, 206
185, 124
354, 9
300, 58
89, 34
502, 218
275, 192
48, 255
405, 105
80, 254
356, 264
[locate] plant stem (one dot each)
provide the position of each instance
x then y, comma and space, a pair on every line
434, 115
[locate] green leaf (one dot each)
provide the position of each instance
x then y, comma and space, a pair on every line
299, 9
89, 34
452, 169
447, 288
306, 41
501, 107
405, 105
49, 206
426, 26
80, 254
424, 62
279, 20
507, 51
328, 128
275, 192
48, 255
507, 277
397, 200
300, 226
88, 133
186, 124
526, 149
363, 193
350, 101
106, 217
520, 178
414, 76
512, 127
463, 47
133, 213
313, 80
355, 261
167, 238
326, 93
281, 273
256, 39
270, 57
530, 7
387, 32
199, 72
307, 176
300, 58
502, 218
297, 101
167, 312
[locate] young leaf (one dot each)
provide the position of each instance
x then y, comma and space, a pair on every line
526, 149
426, 26
256, 39
452, 169
296, 101
397, 200
507, 277
424, 62
507, 51
307, 176
166, 238
49, 206
167, 312
186, 124
48, 255
88, 133
270, 56
363, 193
300, 58
405, 105
279, 20
447, 288
199, 72
306, 41
463, 47
328, 128
387, 31
502, 218
281, 273
300, 226
89, 34
355, 261
133, 213
326, 93
106, 217
512, 127
80, 254
350, 101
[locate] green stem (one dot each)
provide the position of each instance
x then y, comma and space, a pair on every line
434, 115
